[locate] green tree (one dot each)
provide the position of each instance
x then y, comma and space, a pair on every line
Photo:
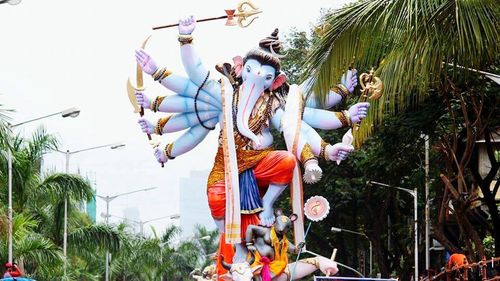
38, 202
417, 47
418, 89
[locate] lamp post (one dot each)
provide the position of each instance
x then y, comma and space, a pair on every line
71, 112
427, 211
142, 223
415, 215
68, 154
11, 2
108, 199
338, 230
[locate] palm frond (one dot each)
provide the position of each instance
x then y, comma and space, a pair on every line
407, 41
94, 237
40, 143
60, 185
37, 250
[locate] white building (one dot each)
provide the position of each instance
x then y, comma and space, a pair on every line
193, 205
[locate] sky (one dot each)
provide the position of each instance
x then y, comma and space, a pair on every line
57, 54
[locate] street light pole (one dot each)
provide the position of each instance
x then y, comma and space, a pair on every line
68, 154
9, 160
415, 217
143, 223
427, 211
108, 199
71, 112
11, 2
337, 229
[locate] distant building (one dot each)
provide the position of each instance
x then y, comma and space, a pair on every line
193, 204
132, 216
91, 209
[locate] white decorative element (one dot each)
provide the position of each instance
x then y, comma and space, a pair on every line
291, 122
313, 172
316, 208
347, 139
233, 212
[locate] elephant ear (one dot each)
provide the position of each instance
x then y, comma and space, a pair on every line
278, 81
238, 65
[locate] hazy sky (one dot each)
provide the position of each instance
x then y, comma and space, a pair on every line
57, 54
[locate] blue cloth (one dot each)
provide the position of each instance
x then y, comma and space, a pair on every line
16, 279
250, 201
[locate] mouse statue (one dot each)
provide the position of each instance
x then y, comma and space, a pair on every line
268, 251
271, 246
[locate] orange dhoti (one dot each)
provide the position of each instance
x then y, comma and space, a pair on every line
269, 167
273, 167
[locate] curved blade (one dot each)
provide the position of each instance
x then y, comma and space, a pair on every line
140, 83
131, 96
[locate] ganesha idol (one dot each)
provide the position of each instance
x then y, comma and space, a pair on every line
247, 99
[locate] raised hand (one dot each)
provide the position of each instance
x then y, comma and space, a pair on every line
338, 151
160, 156
187, 25
358, 111
142, 99
146, 126
147, 64
350, 80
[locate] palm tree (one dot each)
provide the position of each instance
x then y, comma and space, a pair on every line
34, 252
409, 42
4, 113
38, 202
419, 48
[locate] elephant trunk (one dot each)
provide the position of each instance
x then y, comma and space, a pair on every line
247, 99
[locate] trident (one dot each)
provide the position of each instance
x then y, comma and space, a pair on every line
245, 14
371, 88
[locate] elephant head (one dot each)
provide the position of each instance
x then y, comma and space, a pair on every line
260, 72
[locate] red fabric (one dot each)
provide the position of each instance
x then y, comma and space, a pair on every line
226, 251
277, 167
266, 270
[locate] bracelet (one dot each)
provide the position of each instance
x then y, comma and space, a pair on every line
160, 124
306, 154
348, 117
155, 105
185, 39
322, 152
342, 90
160, 74
155, 74
168, 151
158, 129
342, 118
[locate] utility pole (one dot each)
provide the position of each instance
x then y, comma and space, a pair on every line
427, 219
